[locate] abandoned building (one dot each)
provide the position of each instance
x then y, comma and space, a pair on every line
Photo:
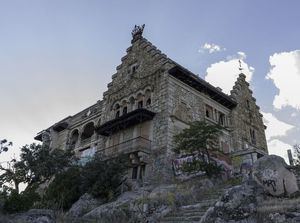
148, 101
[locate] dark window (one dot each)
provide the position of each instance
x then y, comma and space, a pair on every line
134, 172
140, 104
124, 110
221, 119
117, 114
248, 104
142, 172
207, 113
133, 68
148, 102
252, 136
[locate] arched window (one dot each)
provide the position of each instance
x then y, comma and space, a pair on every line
74, 139
140, 99
124, 107
125, 110
117, 111
148, 97
88, 131
148, 102
131, 103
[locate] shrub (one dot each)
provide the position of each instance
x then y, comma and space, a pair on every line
15, 202
103, 178
64, 190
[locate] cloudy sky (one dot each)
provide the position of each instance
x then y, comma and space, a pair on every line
57, 56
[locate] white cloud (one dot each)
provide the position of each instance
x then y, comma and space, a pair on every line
211, 48
279, 148
275, 127
224, 73
285, 73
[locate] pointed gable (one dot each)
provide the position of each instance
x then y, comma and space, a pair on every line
246, 117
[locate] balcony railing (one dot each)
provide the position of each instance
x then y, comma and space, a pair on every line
85, 141
132, 145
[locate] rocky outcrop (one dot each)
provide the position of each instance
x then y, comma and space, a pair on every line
272, 174
116, 211
85, 204
238, 204
34, 216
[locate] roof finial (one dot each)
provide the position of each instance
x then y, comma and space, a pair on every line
240, 66
137, 32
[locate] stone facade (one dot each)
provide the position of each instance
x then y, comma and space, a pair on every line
150, 99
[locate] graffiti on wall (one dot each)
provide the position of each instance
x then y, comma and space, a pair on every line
179, 163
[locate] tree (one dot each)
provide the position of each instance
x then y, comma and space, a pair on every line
102, 178
201, 137
64, 190
37, 164
14, 174
4, 145
40, 163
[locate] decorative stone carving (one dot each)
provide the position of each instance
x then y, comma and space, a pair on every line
137, 32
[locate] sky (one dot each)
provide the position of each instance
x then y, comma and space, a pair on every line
57, 56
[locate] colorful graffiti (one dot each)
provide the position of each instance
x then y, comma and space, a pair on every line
179, 163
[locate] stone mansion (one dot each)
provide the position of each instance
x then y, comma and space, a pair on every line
149, 100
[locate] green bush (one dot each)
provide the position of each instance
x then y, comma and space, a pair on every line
98, 178
64, 190
15, 202
103, 178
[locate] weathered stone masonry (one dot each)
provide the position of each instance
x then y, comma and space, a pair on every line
149, 99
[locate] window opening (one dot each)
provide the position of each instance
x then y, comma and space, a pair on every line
134, 173
148, 102
125, 110
140, 104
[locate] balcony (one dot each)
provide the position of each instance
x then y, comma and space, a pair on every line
125, 121
138, 144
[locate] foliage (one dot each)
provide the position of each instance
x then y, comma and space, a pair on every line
14, 174
4, 145
297, 154
99, 178
199, 138
37, 163
102, 178
64, 190
41, 163
16, 202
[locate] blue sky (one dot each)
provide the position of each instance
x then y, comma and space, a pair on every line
57, 56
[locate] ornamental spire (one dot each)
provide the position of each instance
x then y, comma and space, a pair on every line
137, 32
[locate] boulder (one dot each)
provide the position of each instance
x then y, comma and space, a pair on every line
237, 205
116, 211
161, 190
85, 204
35, 216
272, 174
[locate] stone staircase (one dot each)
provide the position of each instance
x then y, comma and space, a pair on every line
193, 213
